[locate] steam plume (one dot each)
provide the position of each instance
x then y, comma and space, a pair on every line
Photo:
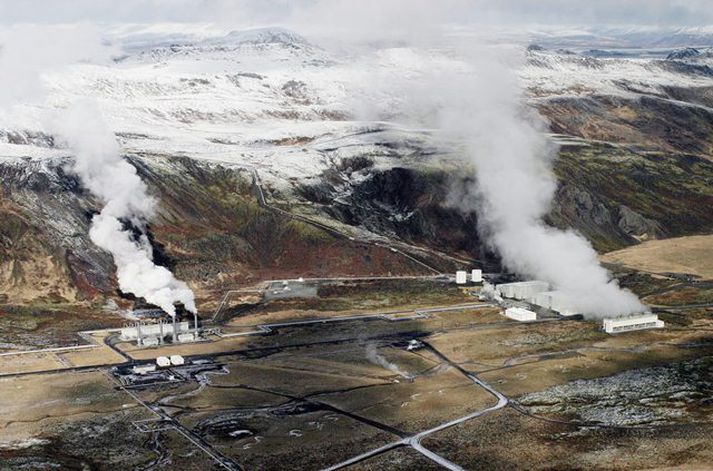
24, 65
506, 142
114, 181
376, 358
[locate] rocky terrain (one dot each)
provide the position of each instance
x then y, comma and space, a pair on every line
210, 229
660, 395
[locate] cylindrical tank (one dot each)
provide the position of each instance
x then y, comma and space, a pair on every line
476, 276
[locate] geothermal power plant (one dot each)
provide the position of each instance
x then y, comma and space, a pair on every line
164, 331
340, 235
537, 294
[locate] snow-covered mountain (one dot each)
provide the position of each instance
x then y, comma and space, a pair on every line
244, 96
628, 37
334, 135
552, 73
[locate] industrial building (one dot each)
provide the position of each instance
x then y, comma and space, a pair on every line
152, 335
614, 325
177, 360
187, 337
144, 369
151, 342
163, 362
159, 330
520, 314
523, 290
557, 301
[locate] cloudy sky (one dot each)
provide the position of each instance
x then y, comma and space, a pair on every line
655, 13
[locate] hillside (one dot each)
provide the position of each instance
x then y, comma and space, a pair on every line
269, 111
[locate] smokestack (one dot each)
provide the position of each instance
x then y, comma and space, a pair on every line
175, 330
139, 340
195, 321
160, 330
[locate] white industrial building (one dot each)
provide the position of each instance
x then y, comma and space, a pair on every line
159, 330
557, 301
520, 314
150, 341
187, 337
525, 290
163, 362
614, 325
461, 277
143, 369
177, 360
476, 276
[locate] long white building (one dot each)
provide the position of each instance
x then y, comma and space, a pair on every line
520, 314
525, 290
614, 325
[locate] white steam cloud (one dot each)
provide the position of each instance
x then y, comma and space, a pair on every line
114, 181
473, 95
482, 105
29, 52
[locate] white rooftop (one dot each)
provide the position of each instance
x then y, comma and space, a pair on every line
634, 322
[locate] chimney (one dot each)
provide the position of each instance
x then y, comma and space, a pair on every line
160, 331
139, 340
175, 330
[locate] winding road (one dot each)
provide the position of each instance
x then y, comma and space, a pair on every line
414, 441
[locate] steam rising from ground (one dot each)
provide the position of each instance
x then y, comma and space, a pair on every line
114, 181
27, 53
376, 358
483, 106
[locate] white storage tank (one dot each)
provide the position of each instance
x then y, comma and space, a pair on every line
163, 362
476, 276
520, 314
461, 277
177, 360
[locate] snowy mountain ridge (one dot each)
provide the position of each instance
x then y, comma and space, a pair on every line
268, 98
